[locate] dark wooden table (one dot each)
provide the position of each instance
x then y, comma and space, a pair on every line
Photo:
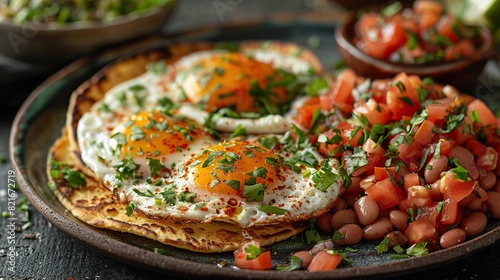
44, 252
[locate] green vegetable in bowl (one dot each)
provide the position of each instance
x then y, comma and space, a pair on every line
64, 11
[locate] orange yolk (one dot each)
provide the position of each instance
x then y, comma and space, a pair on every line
227, 167
154, 135
225, 80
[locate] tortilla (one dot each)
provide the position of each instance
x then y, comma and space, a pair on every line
96, 205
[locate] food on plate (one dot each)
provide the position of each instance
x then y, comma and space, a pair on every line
423, 34
233, 147
422, 160
65, 11
165, 149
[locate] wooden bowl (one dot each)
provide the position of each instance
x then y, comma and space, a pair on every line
459, 73
57, 44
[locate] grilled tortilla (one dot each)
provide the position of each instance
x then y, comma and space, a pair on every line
96, 205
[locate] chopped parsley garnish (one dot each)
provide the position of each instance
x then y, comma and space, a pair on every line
161, 251
253, 252
416, 250
459, 171
239, 131
187, 197
269, 142
158, 68
324, 177
235, 184
136, 133
126, 169
75, 178
383, 246
272, 209
274, 162
254, 192
316, 120
155, 166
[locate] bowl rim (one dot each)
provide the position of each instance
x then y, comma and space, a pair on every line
344, 42
91, 24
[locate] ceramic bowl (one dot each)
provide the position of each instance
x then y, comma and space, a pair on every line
459, 73
56, 44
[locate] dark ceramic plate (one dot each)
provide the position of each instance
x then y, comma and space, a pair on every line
42, 116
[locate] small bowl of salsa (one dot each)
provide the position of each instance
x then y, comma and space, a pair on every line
423, 40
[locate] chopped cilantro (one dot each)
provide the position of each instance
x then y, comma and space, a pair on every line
272, 209
239, 131
254, 192
161, 251
253, 252
155, 166
459, 171
235, 184
158, 68
383, 246
148, 193
324, 177
187, 197
295, 264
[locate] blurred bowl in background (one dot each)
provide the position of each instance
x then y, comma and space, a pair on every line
57, 44
460, 73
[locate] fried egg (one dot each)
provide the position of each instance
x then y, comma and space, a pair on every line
146, 142
244, 82
237, 181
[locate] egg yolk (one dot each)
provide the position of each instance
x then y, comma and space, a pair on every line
232, 80
228, 168
154, 135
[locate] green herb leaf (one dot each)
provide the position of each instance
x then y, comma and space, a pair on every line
253, 251
235, 184
295, 264
254, 192
272, 209
383, 247
459, 171
239, 131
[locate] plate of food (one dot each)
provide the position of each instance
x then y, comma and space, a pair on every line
233, 152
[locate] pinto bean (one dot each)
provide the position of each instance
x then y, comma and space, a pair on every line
367, 210
352, 234
343, 217
474, 223
378, 229
493, 204
323, 223
340, 204
488, 181
452, 238
399, 219
473, 172
437, 165
396, 238
464, 156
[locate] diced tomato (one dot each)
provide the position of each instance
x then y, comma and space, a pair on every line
486, 117
376, 113
475, 147
306, 112
419, 231
261, 262
368, 169
420, 196
410, 180
426, 6
424, 134
325, 261
410, 153
341, 94
430, 213
401, 98
488, 160
382, 173
385, 193
445, 27
350, 133
427, 20
371, 146
379, 40
436, 111
449, 212
446, 146
454, 188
